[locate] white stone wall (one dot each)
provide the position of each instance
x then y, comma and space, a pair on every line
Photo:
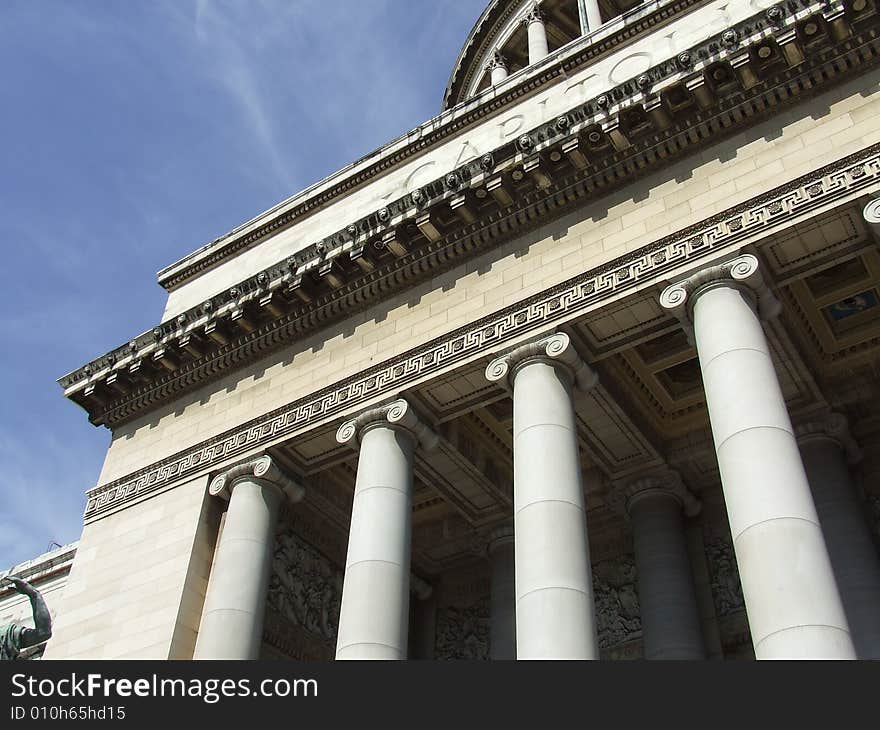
138, 581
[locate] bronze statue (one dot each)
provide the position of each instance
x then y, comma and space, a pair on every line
15, 637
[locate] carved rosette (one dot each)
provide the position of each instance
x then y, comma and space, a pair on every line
668, 484
555, 350
263, 470
833, 427
398, 415
742, 271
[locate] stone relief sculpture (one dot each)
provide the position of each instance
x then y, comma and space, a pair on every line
15, 637
463, 632
305, 587
726, 587
618, 618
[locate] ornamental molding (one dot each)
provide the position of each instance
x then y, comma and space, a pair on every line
757, 218
557, 350
398, 415
451, 122
673, 109
263, 470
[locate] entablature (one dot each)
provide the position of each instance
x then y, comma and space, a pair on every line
699, 96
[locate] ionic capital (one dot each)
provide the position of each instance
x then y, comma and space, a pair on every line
398, 415
555, 350
263, 470
742, 271
496, 61
829, 427
871, 213
667, 483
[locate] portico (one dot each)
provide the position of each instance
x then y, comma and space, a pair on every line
584, 368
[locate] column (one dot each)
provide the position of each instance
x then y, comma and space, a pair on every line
235, 604
554, 592
657, 505
497, 68
537, 34
374, 617
590, 18
827, 450
791, 597
502, 594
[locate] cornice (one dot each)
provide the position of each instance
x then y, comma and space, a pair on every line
593, 149
784, 206
449, 123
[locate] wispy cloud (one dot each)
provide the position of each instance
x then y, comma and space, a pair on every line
143, 130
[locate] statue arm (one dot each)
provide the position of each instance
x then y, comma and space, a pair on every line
42, 630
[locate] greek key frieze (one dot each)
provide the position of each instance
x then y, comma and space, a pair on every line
580, 294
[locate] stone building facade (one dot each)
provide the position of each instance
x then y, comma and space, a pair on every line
585, 366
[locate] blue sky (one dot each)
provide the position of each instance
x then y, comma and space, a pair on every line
136, 131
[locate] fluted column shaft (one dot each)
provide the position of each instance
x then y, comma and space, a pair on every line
537, 35
591, 19
850, 545
670, 618
374, 617
502, 597
791, 597
554, 593
497, 67
235, 604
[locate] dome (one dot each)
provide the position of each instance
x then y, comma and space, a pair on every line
500, 37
